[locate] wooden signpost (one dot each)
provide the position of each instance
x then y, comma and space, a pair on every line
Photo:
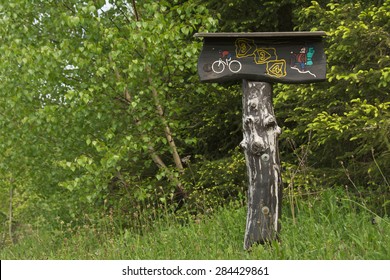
260, 59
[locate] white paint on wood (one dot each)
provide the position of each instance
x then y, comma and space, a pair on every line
260, 132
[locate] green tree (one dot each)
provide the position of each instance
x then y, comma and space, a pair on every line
90, 100
346, 120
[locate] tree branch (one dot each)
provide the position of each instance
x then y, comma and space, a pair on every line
135, 10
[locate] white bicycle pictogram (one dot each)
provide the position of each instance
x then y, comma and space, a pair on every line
218, 66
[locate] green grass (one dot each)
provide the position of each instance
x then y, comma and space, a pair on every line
325, 227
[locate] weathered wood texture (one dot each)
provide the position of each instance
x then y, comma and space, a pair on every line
281, 57
260, 145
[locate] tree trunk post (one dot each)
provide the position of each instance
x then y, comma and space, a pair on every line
261, 150
269, 57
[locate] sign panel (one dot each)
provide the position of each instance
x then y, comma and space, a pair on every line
276, 57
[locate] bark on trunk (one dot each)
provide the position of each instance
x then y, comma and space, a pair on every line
263, 165
167, 130
155, 157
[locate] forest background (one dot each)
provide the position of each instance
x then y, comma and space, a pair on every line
103, 117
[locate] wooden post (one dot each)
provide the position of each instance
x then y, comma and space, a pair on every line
263, 165
262, 58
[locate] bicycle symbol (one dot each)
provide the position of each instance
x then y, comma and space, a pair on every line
219, 65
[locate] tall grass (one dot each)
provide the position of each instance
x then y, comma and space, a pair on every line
330, 225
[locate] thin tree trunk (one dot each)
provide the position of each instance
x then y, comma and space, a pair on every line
168, 134
155, 157
180, 192
167, 130
171, 176
135, 10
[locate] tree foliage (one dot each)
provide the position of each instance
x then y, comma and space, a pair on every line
347, 118
90, 95
100, 104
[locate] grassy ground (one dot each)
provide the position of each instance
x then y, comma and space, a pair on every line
324, 227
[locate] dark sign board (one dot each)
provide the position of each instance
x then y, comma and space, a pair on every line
276, 57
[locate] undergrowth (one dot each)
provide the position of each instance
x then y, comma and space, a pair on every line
327, 225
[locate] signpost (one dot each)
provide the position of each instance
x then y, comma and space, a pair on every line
260, 59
